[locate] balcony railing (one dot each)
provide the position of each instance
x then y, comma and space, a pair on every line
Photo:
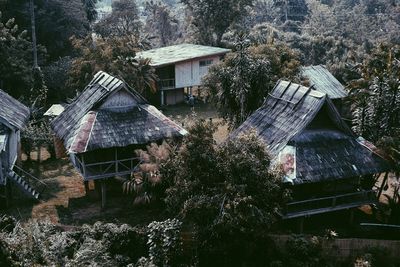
164, 84
327, 204
108, 169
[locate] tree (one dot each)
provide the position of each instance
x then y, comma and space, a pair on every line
16, 59
211, 19
239, 84
377, 94
161, 23
123, 20
229, 193
90, 9
56, 22
115, 55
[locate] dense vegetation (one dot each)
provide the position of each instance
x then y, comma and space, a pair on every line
227, 196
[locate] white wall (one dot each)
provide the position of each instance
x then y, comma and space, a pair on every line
190, 73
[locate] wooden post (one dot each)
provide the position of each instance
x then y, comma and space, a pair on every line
103, 193
83, 167
162, 97
383, 185
116, 160
34, 49
86, 187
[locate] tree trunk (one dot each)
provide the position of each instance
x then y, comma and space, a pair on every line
34, 48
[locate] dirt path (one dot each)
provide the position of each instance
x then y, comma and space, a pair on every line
69, 187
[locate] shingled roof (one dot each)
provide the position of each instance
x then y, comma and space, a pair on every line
13, 112
178, 53
306, 119
84, 125
322, 80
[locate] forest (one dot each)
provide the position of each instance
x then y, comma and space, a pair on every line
219, 193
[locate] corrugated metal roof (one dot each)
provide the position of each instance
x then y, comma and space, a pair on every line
12, 111
177, 53
84, 126
325, 146
322, 80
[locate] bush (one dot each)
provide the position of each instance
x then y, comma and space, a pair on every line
229, 192
43, 243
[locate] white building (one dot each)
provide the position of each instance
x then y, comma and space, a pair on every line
181, 66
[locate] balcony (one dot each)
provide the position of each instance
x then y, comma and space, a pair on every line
328, 204
165, 84
107, 169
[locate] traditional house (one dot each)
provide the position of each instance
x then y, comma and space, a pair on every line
13, 117
326, 165
105, 124
320, 79
181, 66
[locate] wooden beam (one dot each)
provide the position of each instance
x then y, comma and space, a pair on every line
103, 193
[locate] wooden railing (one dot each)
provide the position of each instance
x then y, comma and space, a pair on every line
107, 169
166, 83
33, 181
326, 204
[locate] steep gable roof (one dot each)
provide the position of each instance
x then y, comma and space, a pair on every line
322, 80
12, 111
84, 125
178, 53
287, 111
325, 147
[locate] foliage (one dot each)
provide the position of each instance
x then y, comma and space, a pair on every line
90, 9
164, 242
146, 183
16, 62
114, 55
229, 192
56, 76
36, 134
377, 105
375, 256
123, 20
56, 21
302, 251
44, 244
239, 84
161, 24
38, 94
211, 19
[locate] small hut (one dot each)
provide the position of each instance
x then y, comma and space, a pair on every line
104, 126
326, 165
13, 118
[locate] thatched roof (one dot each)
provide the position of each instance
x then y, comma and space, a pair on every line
178, 53
322, 80
325, 147
85, 125
12, 112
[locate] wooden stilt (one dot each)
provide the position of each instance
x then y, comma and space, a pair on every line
103, 193
8, 194
86, 183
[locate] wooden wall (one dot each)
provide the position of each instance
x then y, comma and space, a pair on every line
189, 73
